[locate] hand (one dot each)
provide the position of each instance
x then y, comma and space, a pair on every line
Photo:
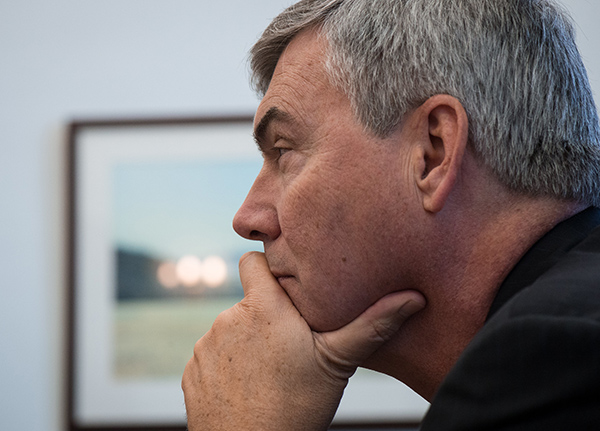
260, 367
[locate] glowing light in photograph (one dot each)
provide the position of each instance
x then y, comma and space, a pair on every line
189, 270
167, 275
214, 271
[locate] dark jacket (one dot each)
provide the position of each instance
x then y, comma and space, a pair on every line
535, 365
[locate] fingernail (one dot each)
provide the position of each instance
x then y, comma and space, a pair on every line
411, 307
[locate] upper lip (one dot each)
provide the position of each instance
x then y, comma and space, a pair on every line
278, 273
276, 269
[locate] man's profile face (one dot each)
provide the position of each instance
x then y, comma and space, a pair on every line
330, 203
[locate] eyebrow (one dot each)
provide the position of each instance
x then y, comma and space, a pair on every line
260, 132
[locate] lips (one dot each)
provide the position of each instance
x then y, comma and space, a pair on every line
280, 275
283, 278
277, 268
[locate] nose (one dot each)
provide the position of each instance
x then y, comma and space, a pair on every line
257, 218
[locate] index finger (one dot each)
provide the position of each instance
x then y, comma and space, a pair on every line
255, 274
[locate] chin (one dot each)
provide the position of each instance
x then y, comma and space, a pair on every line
322, 310
326, 320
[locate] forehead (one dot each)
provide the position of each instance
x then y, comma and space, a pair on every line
307, 50
300, 79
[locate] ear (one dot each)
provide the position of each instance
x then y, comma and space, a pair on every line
443, 130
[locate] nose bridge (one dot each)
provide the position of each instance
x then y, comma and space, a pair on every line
257, 217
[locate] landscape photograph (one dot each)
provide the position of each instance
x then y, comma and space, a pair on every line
175, 257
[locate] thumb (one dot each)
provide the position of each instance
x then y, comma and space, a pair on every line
348, 347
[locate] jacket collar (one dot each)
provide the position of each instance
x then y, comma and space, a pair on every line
551, 248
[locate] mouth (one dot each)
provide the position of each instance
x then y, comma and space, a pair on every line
279, 272
279, 275
283, 278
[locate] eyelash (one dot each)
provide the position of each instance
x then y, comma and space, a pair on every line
282, 150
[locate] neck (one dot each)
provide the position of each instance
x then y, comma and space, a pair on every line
472, 256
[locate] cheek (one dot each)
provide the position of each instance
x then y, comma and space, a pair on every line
328, 252
342, 234
312, 209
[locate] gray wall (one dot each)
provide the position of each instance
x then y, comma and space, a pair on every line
67, 59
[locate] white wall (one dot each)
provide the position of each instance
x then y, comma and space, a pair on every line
67, 59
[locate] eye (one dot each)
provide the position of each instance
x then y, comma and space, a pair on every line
282, 151
280, 147
282, 160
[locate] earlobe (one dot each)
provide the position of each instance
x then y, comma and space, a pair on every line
444, 136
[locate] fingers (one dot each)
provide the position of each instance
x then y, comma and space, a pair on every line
347, 348
254, 270
256, 277
351, 345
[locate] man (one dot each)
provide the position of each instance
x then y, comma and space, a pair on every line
426, 206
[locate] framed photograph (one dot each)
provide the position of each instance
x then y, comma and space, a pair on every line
153, 261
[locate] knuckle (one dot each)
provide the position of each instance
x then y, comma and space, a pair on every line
244, 316
191, 375
187, 372
222, 321
198, 347
228, 319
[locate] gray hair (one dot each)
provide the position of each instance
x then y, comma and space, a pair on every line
513, 64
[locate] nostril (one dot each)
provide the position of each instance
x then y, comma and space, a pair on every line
255, 235
256, 222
